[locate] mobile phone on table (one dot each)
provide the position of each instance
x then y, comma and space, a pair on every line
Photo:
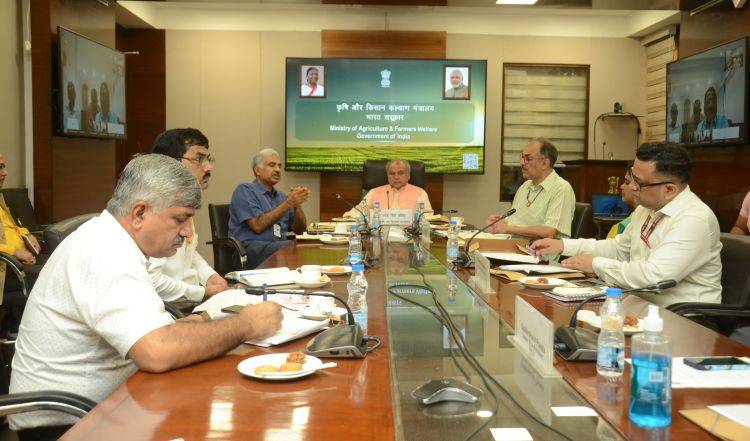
717, 363
234, 309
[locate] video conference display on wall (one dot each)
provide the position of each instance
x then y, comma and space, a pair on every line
92, 88
340, 112
707, 96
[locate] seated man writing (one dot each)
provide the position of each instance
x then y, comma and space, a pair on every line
260, 216
672, 235
545, 202
94, 318
397, 194
186, 276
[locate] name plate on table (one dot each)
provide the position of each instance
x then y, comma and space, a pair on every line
401, 218
535, 338
480, 281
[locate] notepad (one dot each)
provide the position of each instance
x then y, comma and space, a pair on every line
267, 276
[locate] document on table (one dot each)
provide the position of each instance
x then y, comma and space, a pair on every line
267, 276
686, 377
537, 269
510, 257
292, 328
739, 413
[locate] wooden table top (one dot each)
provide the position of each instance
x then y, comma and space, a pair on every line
355, 400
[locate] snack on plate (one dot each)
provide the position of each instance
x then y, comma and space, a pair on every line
542, 281
290, 367
296, 357
337, 269
260, 370
631, 321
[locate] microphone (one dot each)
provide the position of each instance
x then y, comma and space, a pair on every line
354, 207
579, 344
464, 259
257, 291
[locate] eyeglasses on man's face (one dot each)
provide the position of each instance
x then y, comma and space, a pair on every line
201, 160
637, 185
529, 158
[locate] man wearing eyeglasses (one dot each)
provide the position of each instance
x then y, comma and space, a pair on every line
673, 235
186, 277
545, 202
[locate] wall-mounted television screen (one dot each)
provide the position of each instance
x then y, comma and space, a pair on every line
92, 88
340, 112
707, 96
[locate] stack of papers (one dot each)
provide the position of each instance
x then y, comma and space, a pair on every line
510, 257
267, 276
292, 326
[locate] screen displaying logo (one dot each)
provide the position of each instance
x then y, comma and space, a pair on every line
386, 81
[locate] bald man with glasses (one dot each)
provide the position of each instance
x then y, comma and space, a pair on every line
673, 235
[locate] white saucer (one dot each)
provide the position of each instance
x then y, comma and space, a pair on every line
334, 240
595, 321
327, 270
323, 281
532, 282
247, 366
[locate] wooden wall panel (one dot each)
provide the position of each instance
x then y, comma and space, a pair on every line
375, 44
71, 175
146, 90
720, 175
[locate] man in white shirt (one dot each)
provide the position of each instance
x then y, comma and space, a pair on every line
545, 202
673, 235
94, 318
186, 276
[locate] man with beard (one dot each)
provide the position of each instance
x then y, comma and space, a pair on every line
186, 276
458, 89
545, 202
260, 216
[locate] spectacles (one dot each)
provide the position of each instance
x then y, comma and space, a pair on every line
201, 160
640, 186
529, 158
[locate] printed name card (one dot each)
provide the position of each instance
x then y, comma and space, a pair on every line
480, 281
535, 337
401, 218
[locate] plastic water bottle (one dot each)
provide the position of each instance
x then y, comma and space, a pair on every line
651, 374
357, 288
610, 354
424, 224
355, 247
375, 223
452, 247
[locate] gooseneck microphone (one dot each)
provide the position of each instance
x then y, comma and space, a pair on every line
354, 207
580, 344
258, 291
464, 259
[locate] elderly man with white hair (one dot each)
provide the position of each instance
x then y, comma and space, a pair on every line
457, 88
94, 318
260, 216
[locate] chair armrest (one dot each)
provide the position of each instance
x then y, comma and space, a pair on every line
710, 309
65, 402
232, 243
17, 267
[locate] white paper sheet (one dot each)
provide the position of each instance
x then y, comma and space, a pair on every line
574, 411
510, 434
739, 413
292, 328
686, 377
537, 269
268, 276
510, 257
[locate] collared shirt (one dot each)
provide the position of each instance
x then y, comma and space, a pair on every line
407, 197
460, 91
685, 246
549, 204
251, 200
13, 233
92, 302
182, 276
720, 122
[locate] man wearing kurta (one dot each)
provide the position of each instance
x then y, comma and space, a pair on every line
545, 202
397, 194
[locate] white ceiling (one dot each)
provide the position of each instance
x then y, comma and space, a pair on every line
301, 15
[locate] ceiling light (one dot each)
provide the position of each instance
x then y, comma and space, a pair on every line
516, 2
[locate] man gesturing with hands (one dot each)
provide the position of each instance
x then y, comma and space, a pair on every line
260, 215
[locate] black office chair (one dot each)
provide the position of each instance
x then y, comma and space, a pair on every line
229, 254
57, 232
734, 310
17, 200
64, 402
375, 175
583, 221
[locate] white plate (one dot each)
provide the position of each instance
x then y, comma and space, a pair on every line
247, 366
305, 236
579, 290
334, 240
327, 270
317, 315
595, 321
532, 282
323, 281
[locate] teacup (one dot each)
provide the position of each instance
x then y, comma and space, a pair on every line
310, 273
321, 305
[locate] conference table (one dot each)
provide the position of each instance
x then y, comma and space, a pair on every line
370, 398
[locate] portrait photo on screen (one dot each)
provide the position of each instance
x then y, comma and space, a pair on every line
312, 81
456, 82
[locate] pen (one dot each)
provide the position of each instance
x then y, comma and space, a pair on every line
265, 287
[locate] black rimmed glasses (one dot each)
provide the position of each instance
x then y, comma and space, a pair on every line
639, 185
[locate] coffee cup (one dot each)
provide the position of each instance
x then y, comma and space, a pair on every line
310, 273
